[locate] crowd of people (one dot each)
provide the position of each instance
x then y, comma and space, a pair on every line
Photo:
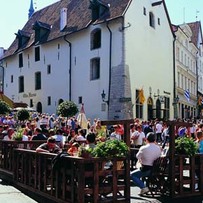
59, 134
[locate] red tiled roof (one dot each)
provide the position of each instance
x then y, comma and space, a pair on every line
195, 27
79, 17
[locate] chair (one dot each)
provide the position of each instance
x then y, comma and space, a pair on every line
157, 180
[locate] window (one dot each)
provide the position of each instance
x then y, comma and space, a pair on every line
79, 100
159, 21
37, 53
139, 106
31, 103
144, 11
151, 20
37, 80
48, 69
20, 60
21, 84
179, 79
11, 78
167, 108
95, 69
96, 39
49, 101
178, 53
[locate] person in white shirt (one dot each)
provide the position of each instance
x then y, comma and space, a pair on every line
116, 135
9, 135
146, 155
158, 129
138, 137
59, 138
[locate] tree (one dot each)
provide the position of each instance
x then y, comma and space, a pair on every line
67, 109
4, 108
23, 115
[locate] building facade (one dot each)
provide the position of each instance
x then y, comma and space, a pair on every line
115, 57
188, 57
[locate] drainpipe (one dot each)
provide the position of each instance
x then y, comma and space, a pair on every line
197, 75
70, 67
2, 79
110, 61
175, 105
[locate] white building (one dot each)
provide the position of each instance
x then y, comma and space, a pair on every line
77, 50
188, 56
197, 39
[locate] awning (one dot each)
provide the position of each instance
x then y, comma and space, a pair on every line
6, 99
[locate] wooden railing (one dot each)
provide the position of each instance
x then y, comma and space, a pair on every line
80, 179
77, 180
6, 151
188, 179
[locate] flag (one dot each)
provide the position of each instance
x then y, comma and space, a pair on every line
200, 101
141, 96
187, 94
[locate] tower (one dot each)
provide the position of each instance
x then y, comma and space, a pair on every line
31, 9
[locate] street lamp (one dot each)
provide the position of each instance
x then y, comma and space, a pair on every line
175, 103
103, 95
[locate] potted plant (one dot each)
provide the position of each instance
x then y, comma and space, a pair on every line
110, 149
185, 146
84, 152
18, 135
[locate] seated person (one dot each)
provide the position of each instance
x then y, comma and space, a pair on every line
146, 155
91, 139
50, 146
73, 150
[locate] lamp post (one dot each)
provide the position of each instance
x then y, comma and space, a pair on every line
175, 103
103, 95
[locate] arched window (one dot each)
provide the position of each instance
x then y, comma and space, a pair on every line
151, 20
39, 107
149, 108
158, 109
96, 39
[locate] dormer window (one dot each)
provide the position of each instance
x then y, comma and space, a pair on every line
42, 31
96, 39
23, 38
99, 9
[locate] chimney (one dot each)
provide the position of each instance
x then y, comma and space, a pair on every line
63, 18
1, 51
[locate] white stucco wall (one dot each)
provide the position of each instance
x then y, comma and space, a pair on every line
149, 51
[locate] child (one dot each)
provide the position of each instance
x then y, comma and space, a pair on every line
73, 150
200, 141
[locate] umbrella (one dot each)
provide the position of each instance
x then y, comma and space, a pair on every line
81, 118
27, 108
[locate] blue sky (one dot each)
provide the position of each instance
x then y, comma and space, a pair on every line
14, 14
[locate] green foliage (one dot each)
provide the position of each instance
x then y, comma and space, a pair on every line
23, 115
110, 148
84, 152
185, 146
67, 109
18, 134
4, 108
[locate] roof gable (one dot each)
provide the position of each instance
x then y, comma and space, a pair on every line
79, 17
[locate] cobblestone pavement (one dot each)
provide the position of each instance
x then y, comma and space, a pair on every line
135, 198
9, 194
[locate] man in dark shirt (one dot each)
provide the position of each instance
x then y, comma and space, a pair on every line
38, 135
50, 146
